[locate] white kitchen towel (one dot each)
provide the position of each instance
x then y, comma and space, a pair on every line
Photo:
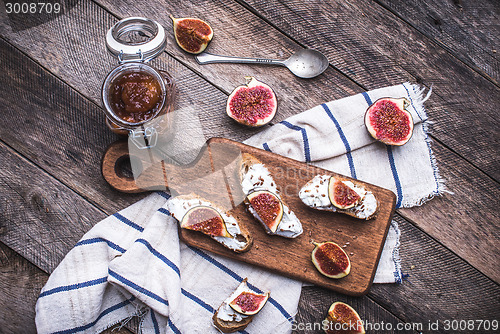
132, 262
333, 136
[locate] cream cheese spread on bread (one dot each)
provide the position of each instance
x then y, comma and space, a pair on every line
315, 195
178, 206
255, 176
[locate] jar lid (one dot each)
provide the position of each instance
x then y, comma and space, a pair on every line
136, 39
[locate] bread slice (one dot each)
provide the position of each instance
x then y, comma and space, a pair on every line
254, 176
315, 195
240, 240
228, 320
230, 326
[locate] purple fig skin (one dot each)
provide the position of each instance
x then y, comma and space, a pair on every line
330, 260
388, 121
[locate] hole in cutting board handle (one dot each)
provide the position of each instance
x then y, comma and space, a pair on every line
116, 170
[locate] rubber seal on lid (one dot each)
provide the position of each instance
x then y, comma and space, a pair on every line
136, 39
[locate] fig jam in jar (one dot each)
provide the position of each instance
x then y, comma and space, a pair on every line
136, 96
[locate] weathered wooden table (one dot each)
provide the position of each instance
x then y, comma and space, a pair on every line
52, 133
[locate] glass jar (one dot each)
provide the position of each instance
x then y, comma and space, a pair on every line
137, 97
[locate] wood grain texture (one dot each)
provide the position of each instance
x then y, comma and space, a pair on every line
375, 49
467, 220
55, 128
440, 286
467, 29
290, 257
456, 290
41, 219
21, 283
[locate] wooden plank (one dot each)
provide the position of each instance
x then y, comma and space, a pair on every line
467, 29
455, 290
450, 110
41, 218
467, 221
357, 38
21, 283
292, 257
440, 287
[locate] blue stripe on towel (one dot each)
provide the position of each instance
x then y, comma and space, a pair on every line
155, 322
103, 313
391, 162
164, 194
128, 222
160, 256
164, 211
172, 327
395, 176
266, 147
367, 98
239, 279
343, 138
198, 301
305, 139
74, 286
137, 287
96, 240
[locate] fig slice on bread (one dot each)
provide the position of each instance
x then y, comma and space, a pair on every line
338, 194
264, 201
199, 214
237, 311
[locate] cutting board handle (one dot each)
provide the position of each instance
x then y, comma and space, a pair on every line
113, 163
207, 174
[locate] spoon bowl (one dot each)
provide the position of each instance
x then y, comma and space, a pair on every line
305, 63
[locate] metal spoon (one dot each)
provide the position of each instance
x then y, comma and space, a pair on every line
305, 63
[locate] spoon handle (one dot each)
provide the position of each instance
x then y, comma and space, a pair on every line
208, 58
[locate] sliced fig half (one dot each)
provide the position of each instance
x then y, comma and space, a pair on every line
341, 195
248, 302
268, 208
191, 34
206, 220
388, 121
253, 104
342, 318
330, 259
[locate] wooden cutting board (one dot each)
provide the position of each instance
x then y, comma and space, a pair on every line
362, 240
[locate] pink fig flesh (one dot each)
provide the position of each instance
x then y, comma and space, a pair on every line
268, 207
343, 319
249, 303
206, 220
341, 195
331, 260
388, 121
253, 104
